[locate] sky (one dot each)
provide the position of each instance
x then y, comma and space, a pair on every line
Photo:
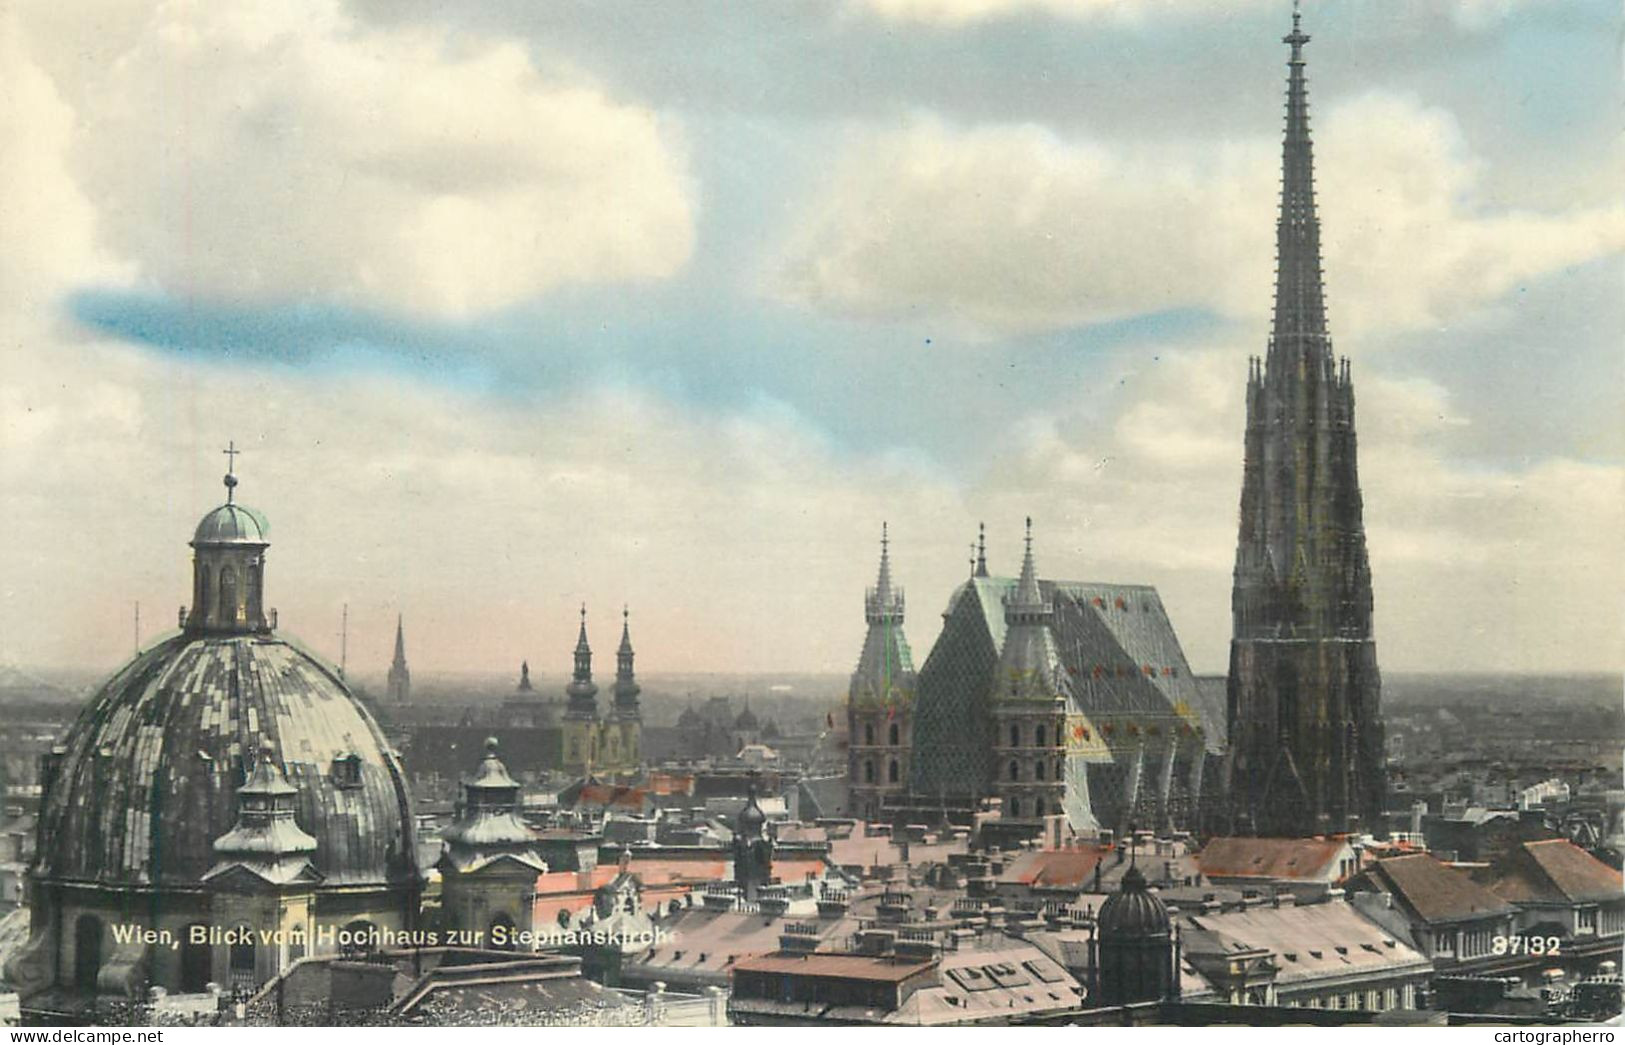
515, 306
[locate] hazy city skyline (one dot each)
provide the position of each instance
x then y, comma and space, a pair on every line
512, 308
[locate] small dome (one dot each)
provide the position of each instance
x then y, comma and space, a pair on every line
1133, 911
751, 819
232, 524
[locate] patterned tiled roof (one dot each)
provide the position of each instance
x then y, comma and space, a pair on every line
1118, 660
146, 778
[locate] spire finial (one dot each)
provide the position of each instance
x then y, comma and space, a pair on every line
981, 549
1297, 38
231, 453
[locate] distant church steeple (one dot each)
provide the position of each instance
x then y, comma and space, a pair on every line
582, 691
1304, 726
626, 683
399, 687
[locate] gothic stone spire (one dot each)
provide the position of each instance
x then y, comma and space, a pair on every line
1305, 733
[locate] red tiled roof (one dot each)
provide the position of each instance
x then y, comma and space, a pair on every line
1270, 857
664, 871
1054, 868
797, 870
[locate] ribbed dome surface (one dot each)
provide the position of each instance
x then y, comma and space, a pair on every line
1133, 910
148, 775
232, 524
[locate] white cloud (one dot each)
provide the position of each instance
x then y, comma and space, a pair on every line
284, 152
1510, 569
1011, 229
1468, 14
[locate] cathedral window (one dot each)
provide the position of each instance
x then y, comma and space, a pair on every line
893, 735
1038, 737
869, 733
869, 772
892, 772
1015, 735
1015, 770
1038, 771
1015, 807
1038, 807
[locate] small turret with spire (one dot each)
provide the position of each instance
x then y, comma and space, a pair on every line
1027, 605
883, 604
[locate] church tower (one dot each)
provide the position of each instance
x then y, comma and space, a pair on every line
1306, 751
880, 699
627, 716
399, 688
1028, 703
581, 714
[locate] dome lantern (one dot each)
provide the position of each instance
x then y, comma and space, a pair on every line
228, 567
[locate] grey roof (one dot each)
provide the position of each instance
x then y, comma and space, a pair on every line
148, 774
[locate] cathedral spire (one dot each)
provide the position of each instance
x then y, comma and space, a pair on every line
883, 604
1304, 725
1028, 600
981, 549
1300, 309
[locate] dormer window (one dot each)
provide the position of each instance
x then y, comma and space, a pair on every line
347, 770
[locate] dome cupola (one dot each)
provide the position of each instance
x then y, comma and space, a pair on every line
228, 567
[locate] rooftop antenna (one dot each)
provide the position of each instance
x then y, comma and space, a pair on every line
344, 640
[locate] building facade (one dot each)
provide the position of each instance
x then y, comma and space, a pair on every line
1305, 730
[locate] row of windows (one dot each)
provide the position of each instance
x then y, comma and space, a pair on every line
1042, 735
1367, 1001
1039, 807
893, 734
1041, 770
894, 772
